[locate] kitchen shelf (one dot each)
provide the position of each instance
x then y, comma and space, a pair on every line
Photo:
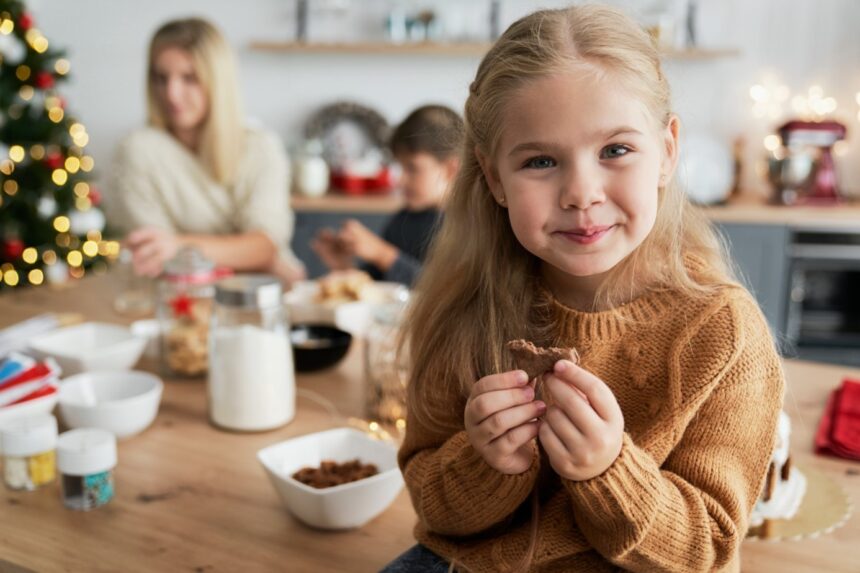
442, 49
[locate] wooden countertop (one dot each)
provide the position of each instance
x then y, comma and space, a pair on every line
342, 203
191, 497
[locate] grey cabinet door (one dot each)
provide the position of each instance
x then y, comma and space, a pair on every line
309, 223
760, 254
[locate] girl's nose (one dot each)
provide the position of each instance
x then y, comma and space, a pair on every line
580, 189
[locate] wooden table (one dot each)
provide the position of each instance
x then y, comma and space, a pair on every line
190, 497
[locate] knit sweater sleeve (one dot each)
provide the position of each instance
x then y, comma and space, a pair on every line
453, 490
691, 512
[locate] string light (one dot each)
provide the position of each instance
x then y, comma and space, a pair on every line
90, 248
10, 277
37, 152
64, 240
16, 153
7, 166
83, 203
77, 272
82, 189
22, 72
87, 163
74, 258
49, 257
72, 164
36, 277
59, 177
62, 224
26, 93
7, 27
30, 255
56, 114
94, 235
62, 66
10, 186
36, 40
81, 139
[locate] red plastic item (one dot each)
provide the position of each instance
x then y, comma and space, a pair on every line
43, 391
355, 185
839, 431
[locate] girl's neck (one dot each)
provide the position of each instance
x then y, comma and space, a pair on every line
189, 138
579, 293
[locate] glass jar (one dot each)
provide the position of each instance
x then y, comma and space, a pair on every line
86, 458
185, 294
385, 372
251, 377
311, 172
136, 297
29, 452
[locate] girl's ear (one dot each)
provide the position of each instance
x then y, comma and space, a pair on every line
670, 156
451, 166
491, 176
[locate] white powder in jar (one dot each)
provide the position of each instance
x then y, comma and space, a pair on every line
251, 378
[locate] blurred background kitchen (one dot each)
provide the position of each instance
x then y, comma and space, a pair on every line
768, 92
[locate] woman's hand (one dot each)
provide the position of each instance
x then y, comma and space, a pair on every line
151, 247
331, 250
582, 431
500, 419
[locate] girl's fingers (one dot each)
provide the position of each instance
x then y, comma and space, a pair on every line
501, 422
575, 407
501, 381
565, 430
551, 442
599, 395
488, 404
516, 438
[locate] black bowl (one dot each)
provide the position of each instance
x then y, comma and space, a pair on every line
318, 346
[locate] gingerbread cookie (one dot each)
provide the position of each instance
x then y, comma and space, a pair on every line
536, 360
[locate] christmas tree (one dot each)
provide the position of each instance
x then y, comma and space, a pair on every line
50, 225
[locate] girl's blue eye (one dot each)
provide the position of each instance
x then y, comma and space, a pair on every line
542, 162
613, 151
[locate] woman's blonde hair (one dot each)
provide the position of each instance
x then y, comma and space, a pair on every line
477, 288
223, 134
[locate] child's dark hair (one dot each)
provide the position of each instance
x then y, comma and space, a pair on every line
433, 129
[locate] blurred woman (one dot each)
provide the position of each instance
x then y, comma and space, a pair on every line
197, 175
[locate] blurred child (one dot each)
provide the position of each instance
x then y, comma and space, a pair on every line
564, 227
427, 146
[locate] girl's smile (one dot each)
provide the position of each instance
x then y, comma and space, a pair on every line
587, 235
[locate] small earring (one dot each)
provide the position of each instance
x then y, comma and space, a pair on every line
502, 201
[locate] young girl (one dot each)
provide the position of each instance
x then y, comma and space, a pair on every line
197, 175
565, 228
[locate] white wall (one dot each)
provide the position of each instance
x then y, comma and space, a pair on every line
793, 42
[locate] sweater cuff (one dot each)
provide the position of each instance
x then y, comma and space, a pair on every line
623, 500
482, 482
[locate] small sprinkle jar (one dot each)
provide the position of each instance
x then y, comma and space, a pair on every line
86, 458
29, 452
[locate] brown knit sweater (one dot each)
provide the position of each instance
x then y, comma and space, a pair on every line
700, 384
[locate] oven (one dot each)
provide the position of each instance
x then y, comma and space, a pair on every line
823, 315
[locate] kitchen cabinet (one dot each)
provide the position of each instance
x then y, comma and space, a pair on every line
760, 255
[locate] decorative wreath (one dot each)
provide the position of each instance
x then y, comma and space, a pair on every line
374, 125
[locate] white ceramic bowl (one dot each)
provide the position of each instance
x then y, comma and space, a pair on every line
340, 507
91, 346
352, 317
150, 329
124, 403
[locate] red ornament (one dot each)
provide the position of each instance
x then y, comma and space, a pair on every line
95, 196
54, 160
181, 306
43, 80
25, 21
13, 248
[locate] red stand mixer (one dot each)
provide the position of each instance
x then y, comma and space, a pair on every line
803, 171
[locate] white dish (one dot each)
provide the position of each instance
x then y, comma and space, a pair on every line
124, 403
353, 317
340, 507
91, 346
149, 329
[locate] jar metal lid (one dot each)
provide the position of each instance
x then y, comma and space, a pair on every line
249, 291
189, 264
86, 451
29, 436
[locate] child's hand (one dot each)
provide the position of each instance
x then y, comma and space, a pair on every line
582, 431
500, 420
151, 247
364, 244
331, 251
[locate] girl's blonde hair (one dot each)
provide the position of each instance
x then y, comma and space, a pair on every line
477, 288
223, 134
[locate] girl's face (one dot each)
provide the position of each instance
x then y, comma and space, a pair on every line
578, 167
180, 95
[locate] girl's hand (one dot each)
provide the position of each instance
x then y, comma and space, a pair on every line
582, 431
331, 251
151, 247
500, 419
